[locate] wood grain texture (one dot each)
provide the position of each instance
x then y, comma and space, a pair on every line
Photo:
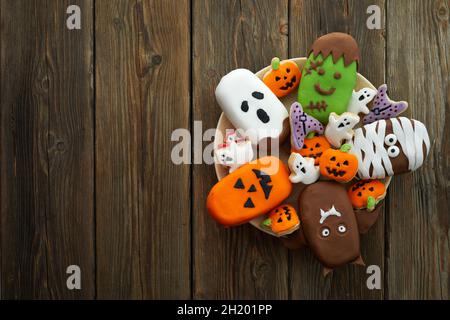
309, 20
142, 85
418, 71
242, 262
47, 216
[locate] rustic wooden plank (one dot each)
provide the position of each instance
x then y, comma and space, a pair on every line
143, 200
242, 262
418, 69
309, 20
47, 216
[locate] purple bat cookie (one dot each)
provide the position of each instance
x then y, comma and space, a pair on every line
383, 107
301, 125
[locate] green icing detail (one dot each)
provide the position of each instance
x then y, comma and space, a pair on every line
310, 135
275, 63
266, 223
371, 203
345, 147
331, 100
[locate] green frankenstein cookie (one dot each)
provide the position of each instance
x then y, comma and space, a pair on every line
329, 76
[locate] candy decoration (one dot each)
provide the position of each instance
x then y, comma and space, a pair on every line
301, 125
383, 107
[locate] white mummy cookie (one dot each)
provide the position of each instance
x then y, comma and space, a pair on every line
389, 147
340, 128
360, 99
302, 169
250, 105
234, 152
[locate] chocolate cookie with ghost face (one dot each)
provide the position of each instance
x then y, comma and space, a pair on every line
329, 224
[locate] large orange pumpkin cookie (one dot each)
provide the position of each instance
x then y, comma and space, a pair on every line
251, 191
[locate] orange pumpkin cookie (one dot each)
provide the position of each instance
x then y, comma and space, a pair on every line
249, 192
314, 148
366, 194
339, 165
282, 220
283, 77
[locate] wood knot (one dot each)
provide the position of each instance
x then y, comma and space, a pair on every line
156, 59
118, 23
284, 29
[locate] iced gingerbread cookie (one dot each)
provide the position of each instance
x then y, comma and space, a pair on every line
313, 147
303, 169
366, 194
283, 77
282, 220
383, 107
251, 106
329, 224
339, 165
235, 152
388, 147
301, 125
360, 99
340, 128
329, 76
251, 191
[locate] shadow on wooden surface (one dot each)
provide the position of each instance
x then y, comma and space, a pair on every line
86, 123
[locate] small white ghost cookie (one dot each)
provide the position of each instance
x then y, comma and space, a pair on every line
360, 99
234, 155
302, 169
340, 128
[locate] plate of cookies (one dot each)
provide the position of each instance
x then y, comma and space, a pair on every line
305, 150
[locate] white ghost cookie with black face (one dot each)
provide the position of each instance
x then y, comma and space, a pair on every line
389, 147
250, 105
340, 128
360, 99
302, 169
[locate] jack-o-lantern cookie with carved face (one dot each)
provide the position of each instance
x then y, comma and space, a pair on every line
283, 77
329, 224
314, 147
282, 220
251, 191
251, 106
388, 147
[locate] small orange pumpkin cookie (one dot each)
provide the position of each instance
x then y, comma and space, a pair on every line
314, 147
282, 220
339, 165
250, 191
366, 194
283, 77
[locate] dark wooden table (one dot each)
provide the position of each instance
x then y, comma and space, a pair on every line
86, 171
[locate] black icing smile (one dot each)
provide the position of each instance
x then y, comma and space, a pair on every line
335, 172
289, 84
262, 115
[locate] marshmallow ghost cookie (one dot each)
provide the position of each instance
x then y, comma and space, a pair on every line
251, 191
329, 76
388, 147
360, 99
383, 107
235, 152
329, 224
283, 77
340, 128
303, 169
251, 106
282, 220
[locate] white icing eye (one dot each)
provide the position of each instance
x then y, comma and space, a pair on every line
342, 229
393, 151
390, 139
325, 232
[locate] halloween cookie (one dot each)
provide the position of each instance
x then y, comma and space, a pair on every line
301, 125
360, 99
339, 165
303, 169
251, 106
282, 220
366, 194
283, 77
234, 152
313, 147
329, 75
340, 128
383, 107
388, 147
329, 224
251, 191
